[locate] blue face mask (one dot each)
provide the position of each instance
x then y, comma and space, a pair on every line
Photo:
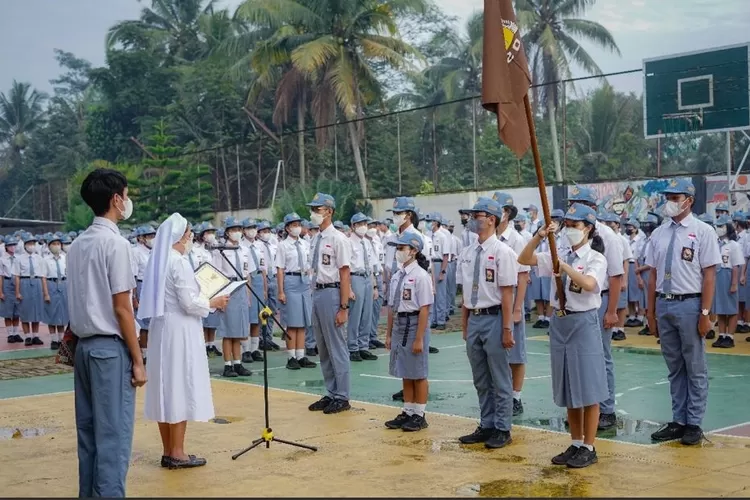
473, 226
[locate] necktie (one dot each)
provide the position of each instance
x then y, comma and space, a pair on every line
394, 266
59, 271
270, 268
190, 258
315, 256
667, 285
367, 260
569, 260
475, 280
238, 263
298, 247
31, 267
397, 298
255, 257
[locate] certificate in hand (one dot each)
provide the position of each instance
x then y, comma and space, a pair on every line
212, 282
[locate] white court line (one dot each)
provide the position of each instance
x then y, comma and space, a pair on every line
33, 349
728, 428
467, 381
35, 395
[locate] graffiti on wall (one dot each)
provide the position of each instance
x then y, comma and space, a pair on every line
717, 192
630, 198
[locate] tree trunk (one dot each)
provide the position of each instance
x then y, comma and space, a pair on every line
555, 144
301, 138
225, 174
434, 156
357, 157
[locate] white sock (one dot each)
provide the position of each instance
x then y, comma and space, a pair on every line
729, 335
245, 345
208, 344
640, 318
409, 409
56, 337
740, 322
254, 343
25, 335
419, 409
290, 353
237, 362
212, 343
631, 317
227, 363
517, 395
299, 353
578, 443
589, 447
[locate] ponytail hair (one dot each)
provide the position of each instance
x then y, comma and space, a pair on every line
414, 218
731, 232
597, 243
422, 261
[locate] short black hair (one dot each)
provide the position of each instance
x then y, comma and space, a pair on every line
100, 186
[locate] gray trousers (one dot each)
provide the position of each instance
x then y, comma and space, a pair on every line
377, 305
273, 303
310, 338
360, 314
684, 351
491, 371
105, 412
608, 406
452, 287
439, 310
332, 348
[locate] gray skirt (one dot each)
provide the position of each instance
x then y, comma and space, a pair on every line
31, 307
234, 322
256, 283
297, 312
404, 363
517, 354
56, 312
9, 306
211, 321
634, 293
579, 376
142, 323
725, 303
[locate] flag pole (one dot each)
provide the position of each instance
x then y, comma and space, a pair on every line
545, 201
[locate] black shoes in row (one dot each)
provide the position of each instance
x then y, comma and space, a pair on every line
29, 342
689, 435
236, 371
330, 406
296, 364
408, 423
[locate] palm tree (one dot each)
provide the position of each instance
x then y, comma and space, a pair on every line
20, 114
336, 49
550, 30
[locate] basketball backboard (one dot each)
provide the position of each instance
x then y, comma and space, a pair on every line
697, 92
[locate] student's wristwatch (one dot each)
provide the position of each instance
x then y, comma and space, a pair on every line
344, 308
704, 312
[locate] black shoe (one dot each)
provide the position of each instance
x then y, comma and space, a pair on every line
743, 329
242, 371
208, 354
11, 339
434, 350
607, 421
439, 327
644, 331
54, 345
376, 344
415, 423
247, 357
563, 457
398, 422
538, 324
257, 356
527, 317
719, 342
631, 322
165, 460
517, 407
27, 342
274, 346
711, 335
316, 351
355, 356
480, 435
310, 353
292, 364
583, 458
545, 323
728, 343
306, 363
499, 439
669, 432
36, 341
19, 339
215, 350
367, 356
337, 406
321, 404
228, 372
692, 436
433, 325
399, 396
190, 463
618, 335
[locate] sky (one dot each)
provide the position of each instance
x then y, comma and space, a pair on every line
31, 29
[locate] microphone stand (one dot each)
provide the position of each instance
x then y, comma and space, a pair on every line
266, 435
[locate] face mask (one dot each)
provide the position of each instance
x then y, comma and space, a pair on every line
361, 230
372, 232
65, 248
55, 249
149, 243
31, 248
672, 209
265, 236
518, 227
251, 233
464, 222
399, 220
210, 238
630, 231
295, 231
721, 231
127, 210
574, 235
403, 256
473, 226
234, 236
316, 218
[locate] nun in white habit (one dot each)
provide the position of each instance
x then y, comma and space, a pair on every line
179, 387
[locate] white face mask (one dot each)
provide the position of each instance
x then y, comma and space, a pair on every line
234, 236
210, 238
251, 233
30, 248
55, 249
316, 218
295, 231
399, 219
575, 236
372, 232
422, 226
361, 230
402, 256
721, 231
265, 236
149, 243
65, 248
189, 246
127, 210
672, 209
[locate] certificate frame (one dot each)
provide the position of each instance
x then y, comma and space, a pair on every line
210, 280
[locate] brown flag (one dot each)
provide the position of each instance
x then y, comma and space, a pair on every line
505, 75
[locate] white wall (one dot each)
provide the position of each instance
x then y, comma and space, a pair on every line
263, 213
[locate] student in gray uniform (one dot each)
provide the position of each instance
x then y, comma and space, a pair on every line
272, 288
108, 362
311, 345
726, 299
30, 272
254, 249
331, 258
363, 289
8, 302
579, 380
56, 310
488, 272
206, 235
683, 256
441, 244
455, 248
411, 297
377, 272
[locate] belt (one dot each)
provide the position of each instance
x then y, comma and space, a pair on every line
361, 275
487, 311
408, 314
100, 335
236, 279
632, 261
605, 292
293, 274
321, 286
138, 281
679, 298
437, 260
561, 313
7, 277
56, 279
27, 277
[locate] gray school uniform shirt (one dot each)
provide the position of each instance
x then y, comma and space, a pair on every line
99, 266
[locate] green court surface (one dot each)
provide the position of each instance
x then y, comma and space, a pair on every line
643, 401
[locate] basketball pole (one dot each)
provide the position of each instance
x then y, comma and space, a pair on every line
729, 169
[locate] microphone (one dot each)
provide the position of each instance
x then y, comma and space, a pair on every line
224, 247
